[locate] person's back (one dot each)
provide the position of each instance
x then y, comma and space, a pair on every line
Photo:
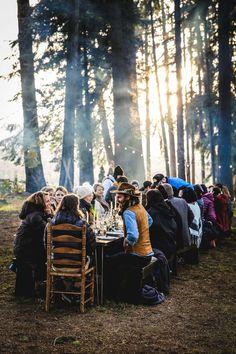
185, 216
163, 230
209, 213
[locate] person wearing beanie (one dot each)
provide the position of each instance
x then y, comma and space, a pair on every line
85, 193
110, 179
183, 215
164, 228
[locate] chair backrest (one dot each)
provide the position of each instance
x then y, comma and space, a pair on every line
66, 246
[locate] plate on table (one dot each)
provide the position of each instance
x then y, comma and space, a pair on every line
106, 238
115, 233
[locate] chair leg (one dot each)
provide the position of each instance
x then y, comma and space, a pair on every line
82, 295
92, 289
48, 293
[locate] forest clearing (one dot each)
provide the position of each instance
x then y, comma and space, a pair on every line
197, 317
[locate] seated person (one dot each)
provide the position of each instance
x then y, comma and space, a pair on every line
137, 246
163, 230
86, 196
68, 213
29, 247
101, 206
59, 194
51, 192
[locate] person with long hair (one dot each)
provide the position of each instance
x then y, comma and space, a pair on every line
100, 205
59, 194
29, 247
68, 212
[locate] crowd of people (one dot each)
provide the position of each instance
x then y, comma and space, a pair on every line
164, 215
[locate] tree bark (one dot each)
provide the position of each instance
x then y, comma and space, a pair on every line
166, 157
172, 155
180, 123
32, 156
67, 161
225, 76
127, 135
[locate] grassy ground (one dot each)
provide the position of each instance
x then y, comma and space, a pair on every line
198, 317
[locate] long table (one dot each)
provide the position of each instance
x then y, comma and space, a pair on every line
102, 244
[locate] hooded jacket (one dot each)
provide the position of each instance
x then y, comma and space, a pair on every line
29, 241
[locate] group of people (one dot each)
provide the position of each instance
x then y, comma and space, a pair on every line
165, 214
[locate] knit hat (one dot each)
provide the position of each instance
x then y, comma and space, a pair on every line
168, 188
118, 171
84, 191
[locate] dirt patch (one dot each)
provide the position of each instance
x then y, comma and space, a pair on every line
198, 317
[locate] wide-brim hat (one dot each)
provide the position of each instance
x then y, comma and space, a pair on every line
126, 188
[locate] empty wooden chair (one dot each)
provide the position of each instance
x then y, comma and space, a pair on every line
66, 262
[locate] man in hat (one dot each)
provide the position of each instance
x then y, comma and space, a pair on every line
137, 246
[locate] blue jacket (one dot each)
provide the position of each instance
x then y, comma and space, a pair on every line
178, 182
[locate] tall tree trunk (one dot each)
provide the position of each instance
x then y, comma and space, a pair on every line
172, 155
225, 76
180, 121
67, 161
85, 146
159, 95
208, 90
200, 108
147, 69
128, 143
192, 132
186, 116
105, 130
32, 156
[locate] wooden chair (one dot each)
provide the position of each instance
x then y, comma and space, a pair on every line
66, 260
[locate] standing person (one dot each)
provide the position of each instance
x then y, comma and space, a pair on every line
109, 180
137, 246
29, 247
85, 193
196, 226
100, 205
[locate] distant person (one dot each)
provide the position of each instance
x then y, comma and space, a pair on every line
110, 196
110, 179
59, 194
175, 182
195, 227
86, 195
135, 183
29, 247
51, 193
100, 205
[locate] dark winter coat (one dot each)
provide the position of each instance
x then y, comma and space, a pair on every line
184, 218
163, 230
87, 209
29, 242
63, 217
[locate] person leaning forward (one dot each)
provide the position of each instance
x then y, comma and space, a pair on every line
137, 246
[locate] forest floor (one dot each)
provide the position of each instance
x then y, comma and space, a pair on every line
198, 316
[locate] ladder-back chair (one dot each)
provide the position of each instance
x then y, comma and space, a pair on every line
66, 260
